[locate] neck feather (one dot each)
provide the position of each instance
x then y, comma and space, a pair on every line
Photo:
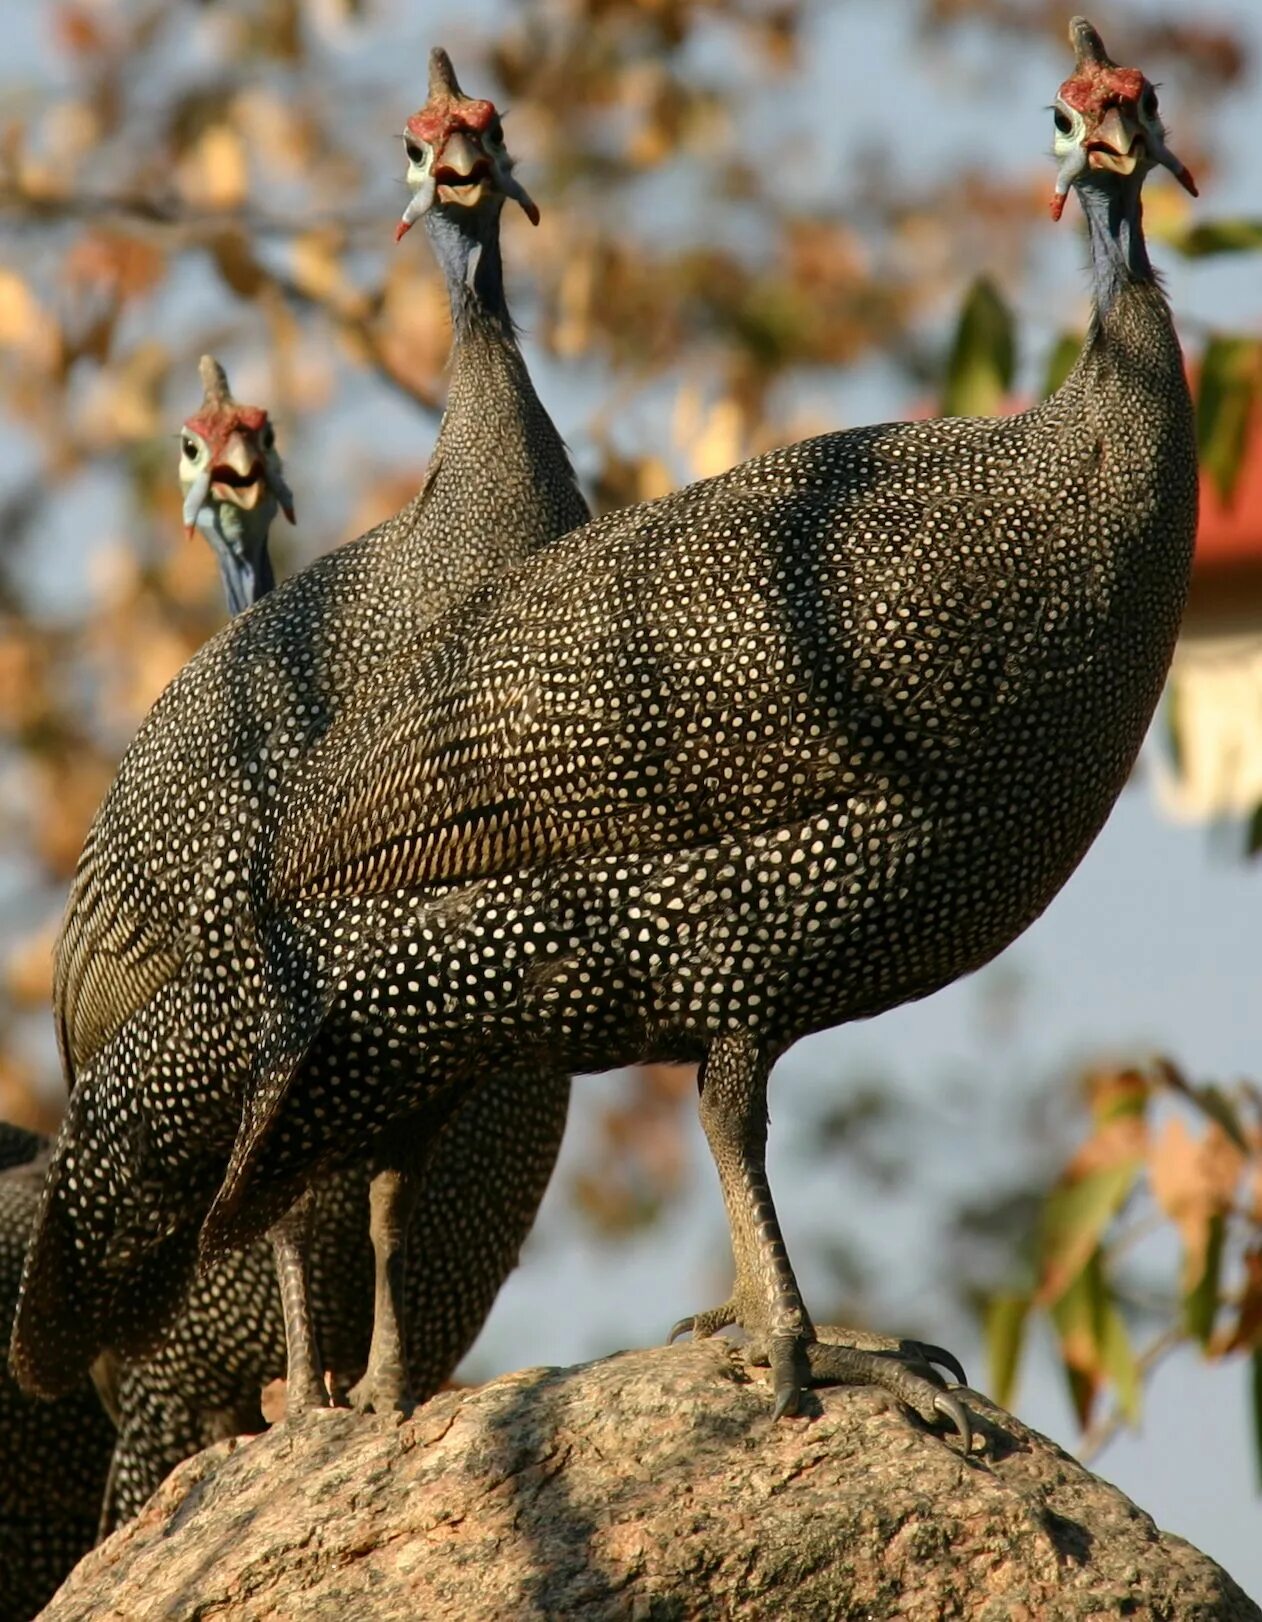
468, 251
1119, 258
239, 542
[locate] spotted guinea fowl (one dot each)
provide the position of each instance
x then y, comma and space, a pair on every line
783, 750
202, 785
233, 483
54, 1458
230, 1337
60, 1463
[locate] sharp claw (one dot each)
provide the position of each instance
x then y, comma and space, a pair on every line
786, 1402
948, 1360
951, 1408
683, 1327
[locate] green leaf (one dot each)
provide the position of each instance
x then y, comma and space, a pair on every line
983, 355
1229, 380
1006, 1317
1119, 1361
1218, 236
1060, 362
1077, 1318
1074, 1220
1094, 1343
1200, 1304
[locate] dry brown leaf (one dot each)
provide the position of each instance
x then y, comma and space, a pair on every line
1194, 1179
22, 1100
25, 325
214, 172
1111, 1143
318, 270
29, 968
23, 679
114, 262
236, 264
70, 788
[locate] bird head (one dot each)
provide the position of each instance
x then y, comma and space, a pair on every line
1107, 123
233, 483
456, 153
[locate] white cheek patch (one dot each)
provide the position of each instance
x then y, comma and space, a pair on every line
1072, 165
421, 203
196, 496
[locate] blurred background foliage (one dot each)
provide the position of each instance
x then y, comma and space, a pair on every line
225, 176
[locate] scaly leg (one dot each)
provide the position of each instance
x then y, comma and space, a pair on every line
291, 1247
385, 1387
766, 1300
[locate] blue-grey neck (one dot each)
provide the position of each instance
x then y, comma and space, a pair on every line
239, 541
1119, 258
466, 243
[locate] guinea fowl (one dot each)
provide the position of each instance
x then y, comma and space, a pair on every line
65, 1471
149, 1122
233, 484
230, 1337
783, 750
234, 1328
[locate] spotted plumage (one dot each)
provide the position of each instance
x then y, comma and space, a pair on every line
54, 1457
230, 730
788, 748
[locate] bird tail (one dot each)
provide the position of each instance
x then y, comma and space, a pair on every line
135, 1169
108, 1264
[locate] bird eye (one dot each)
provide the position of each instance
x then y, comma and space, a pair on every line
269, 437
188, 446
1148, 101
415, 152
496, 133
1063, 121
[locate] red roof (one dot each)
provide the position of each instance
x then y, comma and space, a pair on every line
1232, 534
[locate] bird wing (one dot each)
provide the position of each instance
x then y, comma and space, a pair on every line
643, 685
639, 687
109, 962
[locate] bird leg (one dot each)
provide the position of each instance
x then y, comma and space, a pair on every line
385, 1388
766, 1301
291, 1248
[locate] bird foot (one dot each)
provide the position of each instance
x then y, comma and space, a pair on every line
701, 1325
384, 1389
304, 1397
904, 1368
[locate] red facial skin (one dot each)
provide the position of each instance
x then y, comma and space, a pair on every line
1095, 90
440, 117
216, 426
436, 123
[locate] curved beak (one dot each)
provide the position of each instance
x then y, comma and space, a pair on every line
1118, 142
238, 474
1118, 145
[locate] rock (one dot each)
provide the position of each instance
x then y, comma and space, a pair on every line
650, 1486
